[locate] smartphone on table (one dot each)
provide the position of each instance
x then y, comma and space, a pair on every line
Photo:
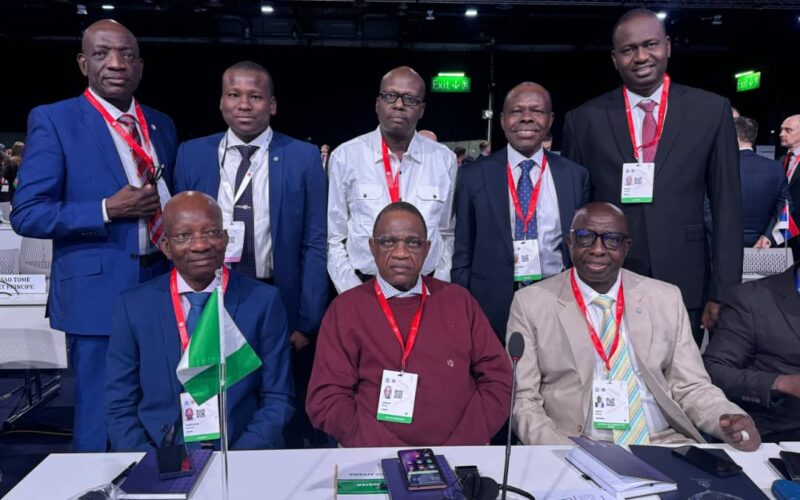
792, 462
709, 462
421, 469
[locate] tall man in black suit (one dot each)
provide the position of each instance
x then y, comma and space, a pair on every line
790, 139
681, 142
493, 199
754, 355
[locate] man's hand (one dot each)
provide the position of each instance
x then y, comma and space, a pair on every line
299, 341
737, 428
763, 242
788, 384
710, 315
133, 203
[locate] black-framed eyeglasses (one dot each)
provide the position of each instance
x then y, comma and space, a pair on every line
408, 99
587, 237
412, 243
211, 236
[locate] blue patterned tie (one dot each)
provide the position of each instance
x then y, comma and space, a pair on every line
243, 211
524, 192
198, 302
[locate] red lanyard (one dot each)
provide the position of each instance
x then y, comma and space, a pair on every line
790, 166
391, 181
137, 149
534, 197
662, 109
178, 307
598, 346
412, 332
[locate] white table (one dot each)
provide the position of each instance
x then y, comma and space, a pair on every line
308, 474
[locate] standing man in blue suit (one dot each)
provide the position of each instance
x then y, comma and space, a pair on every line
142, 390
93, 181
494, 200
272, 191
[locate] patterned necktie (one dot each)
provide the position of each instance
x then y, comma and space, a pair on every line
155, 228
198, 302
243, 211
622, 369
649, 144
789, 165
524, 193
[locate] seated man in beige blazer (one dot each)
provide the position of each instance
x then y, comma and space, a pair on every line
581, 375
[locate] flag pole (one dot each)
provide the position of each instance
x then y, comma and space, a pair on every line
786, 234
223, 414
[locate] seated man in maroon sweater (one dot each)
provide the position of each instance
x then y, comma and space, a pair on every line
407, 360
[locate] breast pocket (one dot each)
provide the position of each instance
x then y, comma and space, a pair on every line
430, 202
366, 201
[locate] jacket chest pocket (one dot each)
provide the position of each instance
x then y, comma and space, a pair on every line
429, 200
366, 201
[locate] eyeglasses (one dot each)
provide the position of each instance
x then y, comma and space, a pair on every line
210, 236
587, 237
411, 243
408, 99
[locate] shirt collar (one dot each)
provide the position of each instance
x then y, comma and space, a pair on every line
590, 293
515, 157
635, 98
262, 140
413, 153
113, 110
796, 151
390, 292
184, 287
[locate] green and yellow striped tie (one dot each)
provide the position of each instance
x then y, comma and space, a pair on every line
622, 369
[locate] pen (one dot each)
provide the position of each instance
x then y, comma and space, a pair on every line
122, 475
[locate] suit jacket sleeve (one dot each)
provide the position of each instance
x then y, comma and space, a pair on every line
531, 422
725, 193
730, 353
276, 407
123, 392
446, 224
487, 409
569, 141
39, 208
464, 245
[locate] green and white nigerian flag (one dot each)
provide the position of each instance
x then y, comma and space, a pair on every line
198, 370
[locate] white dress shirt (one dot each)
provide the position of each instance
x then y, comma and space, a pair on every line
793, 164
260, 186
655, 418
548, 219
126, 158
358, 192
638, 113
184, 288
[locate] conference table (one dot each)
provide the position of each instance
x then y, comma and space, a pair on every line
309, 474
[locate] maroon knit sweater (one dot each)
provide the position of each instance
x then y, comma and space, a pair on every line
464, 385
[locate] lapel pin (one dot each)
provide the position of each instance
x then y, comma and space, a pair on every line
153, 126
275, 158
638, 310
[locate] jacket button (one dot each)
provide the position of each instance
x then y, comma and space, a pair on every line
164, 428
134, 256
580, 428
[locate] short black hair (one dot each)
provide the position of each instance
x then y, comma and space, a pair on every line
460, 151
746, 129
400, 206
255, 67
632, 14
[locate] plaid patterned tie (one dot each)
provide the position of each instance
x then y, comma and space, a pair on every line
243, 211
155, 228
622, 369
649, 144
524, 192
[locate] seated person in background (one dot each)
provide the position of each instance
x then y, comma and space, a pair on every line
648, 370
754, 355
404, 360
142, 390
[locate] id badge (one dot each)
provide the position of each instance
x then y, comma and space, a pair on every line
637, 182
200, 422
396, 400
235, 229
527, 266
610, 405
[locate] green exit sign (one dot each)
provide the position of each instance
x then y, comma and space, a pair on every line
749, 80
451, 82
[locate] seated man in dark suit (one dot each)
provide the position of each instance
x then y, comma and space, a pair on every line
143, 394
754, 355
764, 188
504, 218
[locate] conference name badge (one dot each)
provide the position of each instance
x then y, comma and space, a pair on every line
200, 422
396, 400
609, 405
637, 182
233, 252
527, 266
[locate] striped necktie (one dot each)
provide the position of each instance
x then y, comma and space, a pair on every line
622, 369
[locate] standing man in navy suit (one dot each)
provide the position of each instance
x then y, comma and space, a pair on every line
514, 208
93, 181
272, 191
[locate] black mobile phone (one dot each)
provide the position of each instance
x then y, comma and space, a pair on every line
173, 461
709, 462
792, 462
421, 469
779, 467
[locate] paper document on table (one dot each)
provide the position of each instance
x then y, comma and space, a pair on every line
613, 483
582, 494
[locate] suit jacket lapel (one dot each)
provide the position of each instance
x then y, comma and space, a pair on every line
618, 122
562, 179
169, 332
496, 182
233, 296
673, 122
276, 172
155, 136
212, 165
574, 326
99, 131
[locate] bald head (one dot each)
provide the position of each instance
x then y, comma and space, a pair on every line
790, 132
527, 117
400, 105
637, 14
600, 209
105, 25
526, 87
598, 244
404, 74
190, 201
430, 134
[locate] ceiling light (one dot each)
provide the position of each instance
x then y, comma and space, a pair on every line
661, 15
471, 12
429, 15
267, 9
81, 10
107, 6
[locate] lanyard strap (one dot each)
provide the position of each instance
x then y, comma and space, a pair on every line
791, 165
662, 109
391, 181
534, 197
126, 136
178, 307
412, 332
598, 345
248, 176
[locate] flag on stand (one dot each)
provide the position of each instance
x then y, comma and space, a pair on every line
785, 228
198, 370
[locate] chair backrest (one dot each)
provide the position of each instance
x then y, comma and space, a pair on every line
766, 261
35, 256
9, 263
